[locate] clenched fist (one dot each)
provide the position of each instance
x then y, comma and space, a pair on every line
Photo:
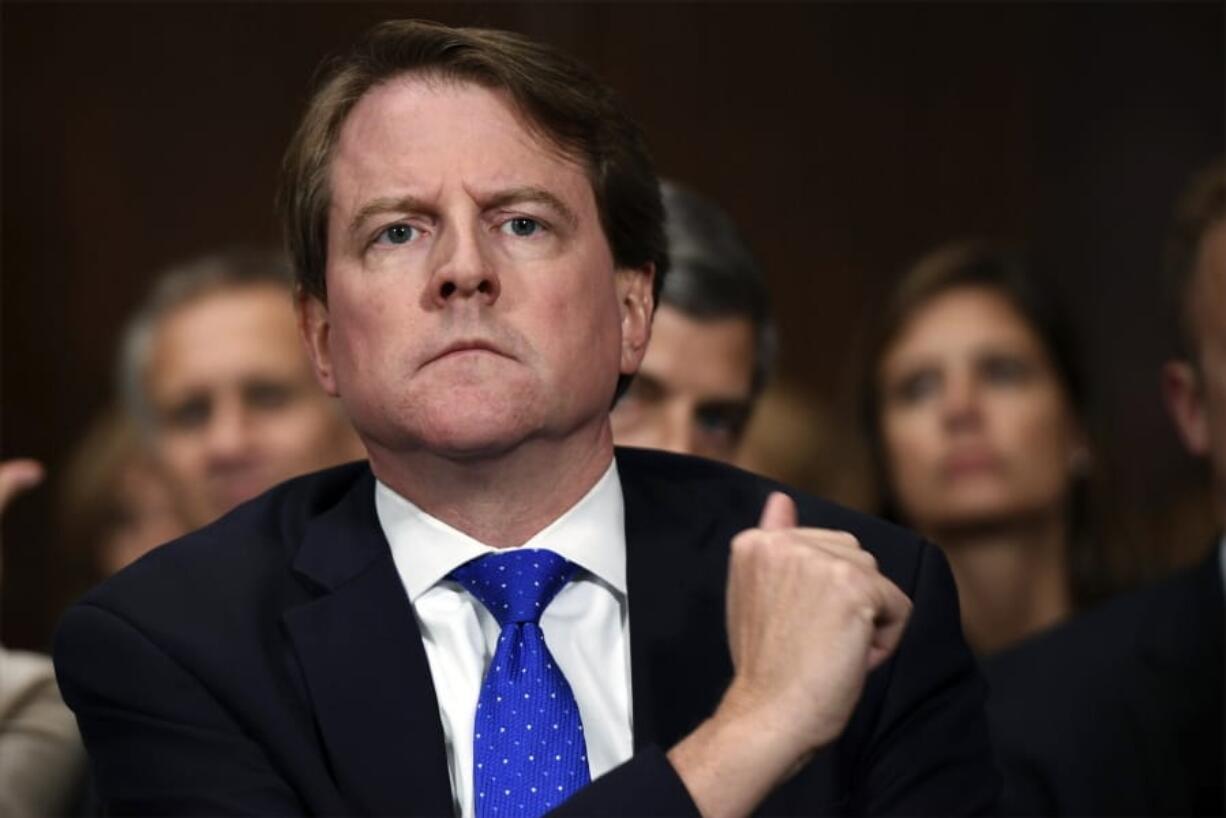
808, 616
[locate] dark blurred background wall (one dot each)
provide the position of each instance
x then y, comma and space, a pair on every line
845, 139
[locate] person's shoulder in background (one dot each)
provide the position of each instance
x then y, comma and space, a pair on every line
42, 761
1120, 710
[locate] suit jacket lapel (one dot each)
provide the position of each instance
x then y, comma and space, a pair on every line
365, 667
676, 567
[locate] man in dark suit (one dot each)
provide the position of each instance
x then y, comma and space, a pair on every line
497, 608
1120, 712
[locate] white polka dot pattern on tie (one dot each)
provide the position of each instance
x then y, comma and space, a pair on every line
528, 746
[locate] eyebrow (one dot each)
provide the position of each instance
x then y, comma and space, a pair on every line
533, 194
386, 204
393, 204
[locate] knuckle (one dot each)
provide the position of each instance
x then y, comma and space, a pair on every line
843, 572
780, 544
848, 539
744, 546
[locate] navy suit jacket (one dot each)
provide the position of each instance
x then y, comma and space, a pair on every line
271, 663
1120, 711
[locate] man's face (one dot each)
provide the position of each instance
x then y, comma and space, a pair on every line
1196, 395
236, 408
473, 305
693, 393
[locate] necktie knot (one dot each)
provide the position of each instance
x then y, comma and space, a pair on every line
515, 585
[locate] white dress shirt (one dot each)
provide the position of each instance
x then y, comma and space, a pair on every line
586, 626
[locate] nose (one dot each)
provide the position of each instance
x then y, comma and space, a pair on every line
961, 406
228, 437
464, 269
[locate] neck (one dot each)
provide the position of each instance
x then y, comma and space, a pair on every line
504, 499
1013, 578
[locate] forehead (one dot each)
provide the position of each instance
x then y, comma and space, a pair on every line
422, 132
692, 353
225, 334
960, 319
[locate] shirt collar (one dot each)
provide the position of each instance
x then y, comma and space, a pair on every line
591, 534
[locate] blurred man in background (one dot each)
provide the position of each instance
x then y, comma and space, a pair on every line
215, 374
1120, 712
712, 342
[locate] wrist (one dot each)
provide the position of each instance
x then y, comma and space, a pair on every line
735, 758
793, 724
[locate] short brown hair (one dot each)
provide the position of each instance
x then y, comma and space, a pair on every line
558, 97
1201, 206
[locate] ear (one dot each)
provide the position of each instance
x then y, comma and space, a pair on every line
315, 329
634, 298
1181, 389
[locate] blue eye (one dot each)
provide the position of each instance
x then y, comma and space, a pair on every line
396, 234
522, 226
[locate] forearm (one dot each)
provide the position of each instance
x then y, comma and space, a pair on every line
726, 769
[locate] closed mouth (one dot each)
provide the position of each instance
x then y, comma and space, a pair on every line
467, 346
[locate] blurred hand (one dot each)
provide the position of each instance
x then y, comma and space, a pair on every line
17, 476
809, 616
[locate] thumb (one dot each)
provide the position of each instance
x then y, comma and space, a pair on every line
779, 511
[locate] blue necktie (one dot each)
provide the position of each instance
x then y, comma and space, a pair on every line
528, 749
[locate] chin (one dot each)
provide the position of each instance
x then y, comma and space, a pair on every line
474, 430
989, 512
471, 444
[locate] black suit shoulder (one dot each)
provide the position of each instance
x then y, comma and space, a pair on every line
734, 497
234, 561
1119, 633
188, 694
1119, 711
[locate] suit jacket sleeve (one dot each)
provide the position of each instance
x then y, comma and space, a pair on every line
930, 753
165, 746
926, 752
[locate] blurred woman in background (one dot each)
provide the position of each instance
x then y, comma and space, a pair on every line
115, 504
972, 406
